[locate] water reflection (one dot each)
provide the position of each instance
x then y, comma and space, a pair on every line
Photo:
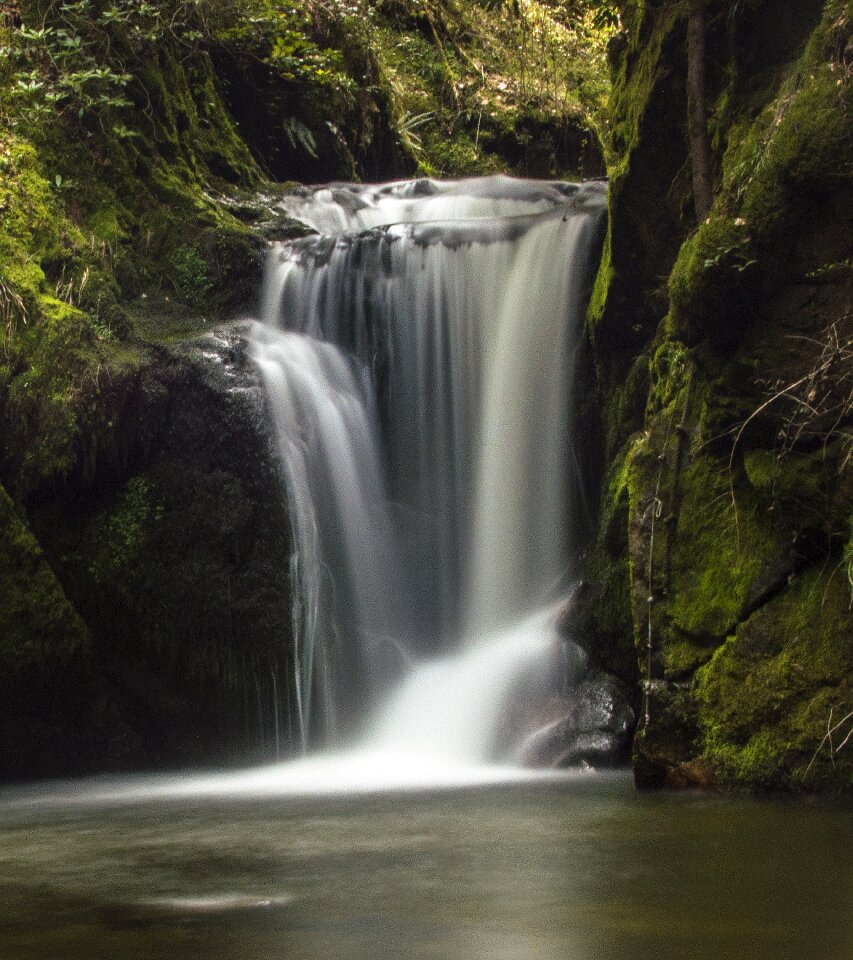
578, 869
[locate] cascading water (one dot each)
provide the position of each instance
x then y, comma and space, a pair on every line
419, 357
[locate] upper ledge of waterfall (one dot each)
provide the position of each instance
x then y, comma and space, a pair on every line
353, 209
318, 248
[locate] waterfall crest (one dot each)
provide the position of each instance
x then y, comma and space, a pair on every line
419, 356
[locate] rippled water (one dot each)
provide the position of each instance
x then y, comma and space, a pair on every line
579, 867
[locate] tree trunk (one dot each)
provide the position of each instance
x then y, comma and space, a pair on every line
697, 122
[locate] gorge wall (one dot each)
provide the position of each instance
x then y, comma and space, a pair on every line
724, 365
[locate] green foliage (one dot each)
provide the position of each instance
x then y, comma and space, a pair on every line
189, 271
293, 36
486, 81
71, 59
300, 135
119, 535
605, 15
79, 62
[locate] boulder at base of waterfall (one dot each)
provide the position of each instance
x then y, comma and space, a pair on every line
592, 725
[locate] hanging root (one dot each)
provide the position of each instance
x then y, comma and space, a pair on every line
13, 310
827, 739
817, 407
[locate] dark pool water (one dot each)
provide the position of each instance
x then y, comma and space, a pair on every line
578, 868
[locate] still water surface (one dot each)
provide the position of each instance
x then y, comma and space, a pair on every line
579, 868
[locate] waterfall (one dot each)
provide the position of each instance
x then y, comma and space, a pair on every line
419, 355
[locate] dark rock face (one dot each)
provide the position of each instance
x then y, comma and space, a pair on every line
56, 716
724, 527
312, 132
590, 725
540, 147
171, 542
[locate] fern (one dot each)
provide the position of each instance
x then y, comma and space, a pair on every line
300, 136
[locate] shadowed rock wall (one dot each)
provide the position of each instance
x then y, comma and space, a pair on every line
724, 365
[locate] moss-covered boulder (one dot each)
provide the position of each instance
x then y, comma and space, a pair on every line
172, 543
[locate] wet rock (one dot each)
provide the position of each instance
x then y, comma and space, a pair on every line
592, 724
172, 545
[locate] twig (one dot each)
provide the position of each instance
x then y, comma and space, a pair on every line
828, 736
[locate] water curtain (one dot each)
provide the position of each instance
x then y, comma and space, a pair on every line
420, 357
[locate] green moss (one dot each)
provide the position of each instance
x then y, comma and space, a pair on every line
669, 370
727, 532
781, 170
787, 477
87, 221
766, 695
645, 148
607, 628
756, 763
640, 74
30, 222
761, 468
50, 380
602, 307
710, 283
790, 156
681, 656
717, 555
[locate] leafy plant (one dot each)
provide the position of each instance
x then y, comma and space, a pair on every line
300, 136
409, 124
292, 32
77, 58
67, 64
732, 258
189, 271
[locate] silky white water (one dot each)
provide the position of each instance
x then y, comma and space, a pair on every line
419, 356
349, 207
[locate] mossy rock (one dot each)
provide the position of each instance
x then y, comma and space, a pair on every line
172, 553
770, 693
56, 716
712, 287
717, 554
646, 154
750, 626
